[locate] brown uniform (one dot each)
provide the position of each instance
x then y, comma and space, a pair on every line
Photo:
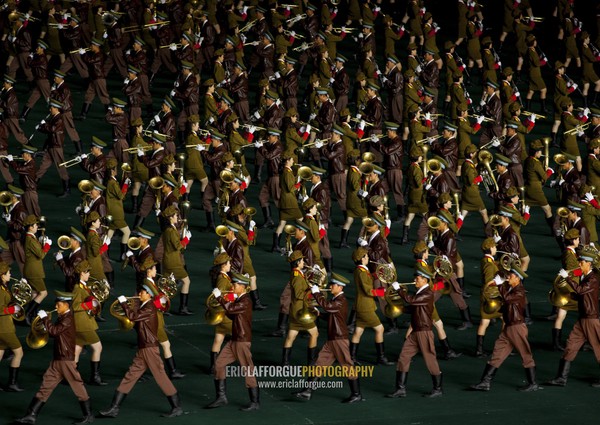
53, 148
145, 321
10, 115
27, 181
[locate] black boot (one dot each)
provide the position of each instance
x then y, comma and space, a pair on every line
210, 221
381, 358
449, 353
78, 150
528, 319
437, 387
531, 384
528, 104
479, 351
13, 384
355, 394
486, 379
392, 327
32, 412
311, 355
269, 223
175, 403
31, 312
123, 251
461, 283
86, 410
172, 369
134, 204
550, 223
400, 212
446, 110
400, 385
555, 143
328, 263
256, 304
285, 356
183, 305
281, 326
254, 400
139, 221
556, 337
84, 111
66, 189
563, 373
221, 399
257, 177
353, 353
95, 378
344, 239
306, 393
405, 232
213, 358
24, 114
544, 110
466, 318
115, 405
276, 241
352, 321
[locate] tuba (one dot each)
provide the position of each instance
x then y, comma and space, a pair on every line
117, 312
395, 305
38, 334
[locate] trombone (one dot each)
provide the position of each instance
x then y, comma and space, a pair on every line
198, 144
315, 142
70, 162
578, 128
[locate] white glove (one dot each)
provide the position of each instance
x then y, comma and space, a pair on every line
374, 139
304, 199
314, 289
252, 224
140, 152
78, 209
60, 26
428, 186
82, 51
157, 212
498, 280
396, 286
129, 253
58, 256
18, 308
216, 292
428, 116
188, 234
211, 120
258, 144
480, 119
86, 209
176, 83
198, 147
526, 209
532, 117
106, 240
128, 52
362, 242
126, 81
362, 193
105, 35
252, 129
127, 181
553, 183
497, 238
361, 35
388, 223
383, 79
319, 144
482, 103
257, 115
563, 273
172, 94
10, 158
47, 241
418, 69
496, 143
561, 181
461, 217
83, 156
430, 244
6, 217
226, 208
31, 56
122, 299
42, 314
589, 196
312, 117
156, 118
173, 46
277, 75
586, 112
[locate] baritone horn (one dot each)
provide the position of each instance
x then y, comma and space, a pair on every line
116, 310
395, 305
485, 158
38, 334
64, 242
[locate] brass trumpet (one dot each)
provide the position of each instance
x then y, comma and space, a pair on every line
428, 139
304, 46
485, 119
368, 124
578, 128
167, 46
366, 139
87, 49
527, 113
134, 28
15, 158
145, 148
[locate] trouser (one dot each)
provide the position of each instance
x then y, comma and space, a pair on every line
31, 203
41, 89
56, 156
56, 372
512, 337
12, 124
69, 126
76, 60
269, 190
419, 341
8, 178
233, 351
147, 358
20, 62
97, 87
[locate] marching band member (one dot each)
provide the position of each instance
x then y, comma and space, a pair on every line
33, 269
8, 336
489, 270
